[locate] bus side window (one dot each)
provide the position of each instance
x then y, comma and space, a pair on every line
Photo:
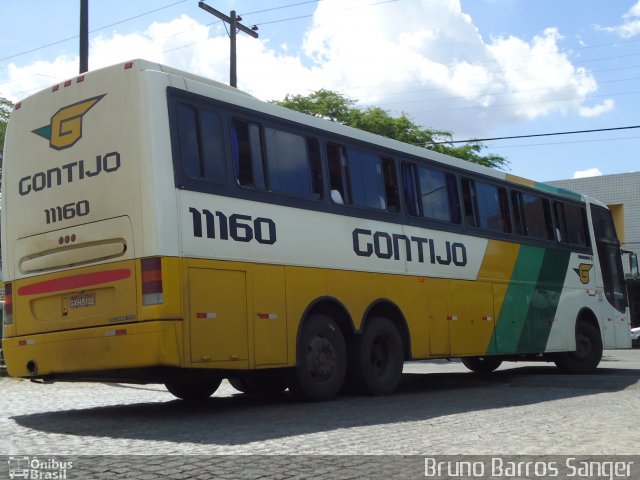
537, 216
439, 193
249, 165
573, 224
486, 206
366, 180
289, 165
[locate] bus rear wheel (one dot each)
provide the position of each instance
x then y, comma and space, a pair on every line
259, 383
481, 364
588, 351
193, 391
321, 363
377, 357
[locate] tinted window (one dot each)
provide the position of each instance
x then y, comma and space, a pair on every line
275, 160
571, 224
289, 163
362, 178
486, 206
431, 193
247, 154
532, 215
367, 186
608, 248
200, 133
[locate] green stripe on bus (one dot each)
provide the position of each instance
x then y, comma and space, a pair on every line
531, 300
558, 191
544, 303
515, 306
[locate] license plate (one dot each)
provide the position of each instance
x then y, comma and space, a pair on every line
83, 300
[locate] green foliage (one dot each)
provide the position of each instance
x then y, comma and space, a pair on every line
341, 109
5, 110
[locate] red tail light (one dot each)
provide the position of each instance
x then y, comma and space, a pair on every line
152, 281
8, 305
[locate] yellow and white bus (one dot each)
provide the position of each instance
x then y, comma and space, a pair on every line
159, 227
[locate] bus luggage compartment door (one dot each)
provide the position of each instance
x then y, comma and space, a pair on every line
218, 315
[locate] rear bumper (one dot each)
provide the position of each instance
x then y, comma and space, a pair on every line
111, 347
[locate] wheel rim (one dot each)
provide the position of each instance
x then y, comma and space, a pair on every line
379, 358
321, 359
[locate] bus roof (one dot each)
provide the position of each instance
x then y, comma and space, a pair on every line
241, 98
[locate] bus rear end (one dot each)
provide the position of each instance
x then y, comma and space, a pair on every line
71, 219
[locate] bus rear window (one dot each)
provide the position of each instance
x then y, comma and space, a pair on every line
200, 134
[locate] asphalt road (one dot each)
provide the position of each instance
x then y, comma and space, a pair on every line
439, 409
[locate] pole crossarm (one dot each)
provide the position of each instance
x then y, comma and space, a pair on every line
227, 19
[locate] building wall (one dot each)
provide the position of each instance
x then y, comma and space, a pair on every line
621, 193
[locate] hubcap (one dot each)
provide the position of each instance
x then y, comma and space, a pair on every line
321, 359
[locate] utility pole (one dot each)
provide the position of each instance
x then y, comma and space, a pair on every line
234, 25
84, 36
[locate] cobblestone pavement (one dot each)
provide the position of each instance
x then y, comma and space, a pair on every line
439, 409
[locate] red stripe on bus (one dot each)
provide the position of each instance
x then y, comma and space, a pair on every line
75, 282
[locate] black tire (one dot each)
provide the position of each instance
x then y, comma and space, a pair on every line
321, 360
376, 358
481, 364
193, 391
259, 383
588, 351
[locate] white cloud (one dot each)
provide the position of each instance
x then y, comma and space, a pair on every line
599, 109
438, 68
630, 26
589, 172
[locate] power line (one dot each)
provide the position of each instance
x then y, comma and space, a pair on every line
572, 142
551, 134
58, 42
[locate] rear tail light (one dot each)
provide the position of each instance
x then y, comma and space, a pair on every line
8, 305
152, 281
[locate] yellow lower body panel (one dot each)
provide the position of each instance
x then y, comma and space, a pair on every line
122, 346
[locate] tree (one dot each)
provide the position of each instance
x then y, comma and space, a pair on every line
5, 110
342, 109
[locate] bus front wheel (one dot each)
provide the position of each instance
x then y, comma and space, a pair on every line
377, 358
321, 362
588, 351
193, 391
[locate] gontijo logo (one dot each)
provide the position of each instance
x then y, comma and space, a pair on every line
65, 128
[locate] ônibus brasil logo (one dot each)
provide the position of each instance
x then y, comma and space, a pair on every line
65, 128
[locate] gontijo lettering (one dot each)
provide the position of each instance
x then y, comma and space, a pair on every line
391, 245
70, 172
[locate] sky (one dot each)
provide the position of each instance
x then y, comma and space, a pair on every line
476, 68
